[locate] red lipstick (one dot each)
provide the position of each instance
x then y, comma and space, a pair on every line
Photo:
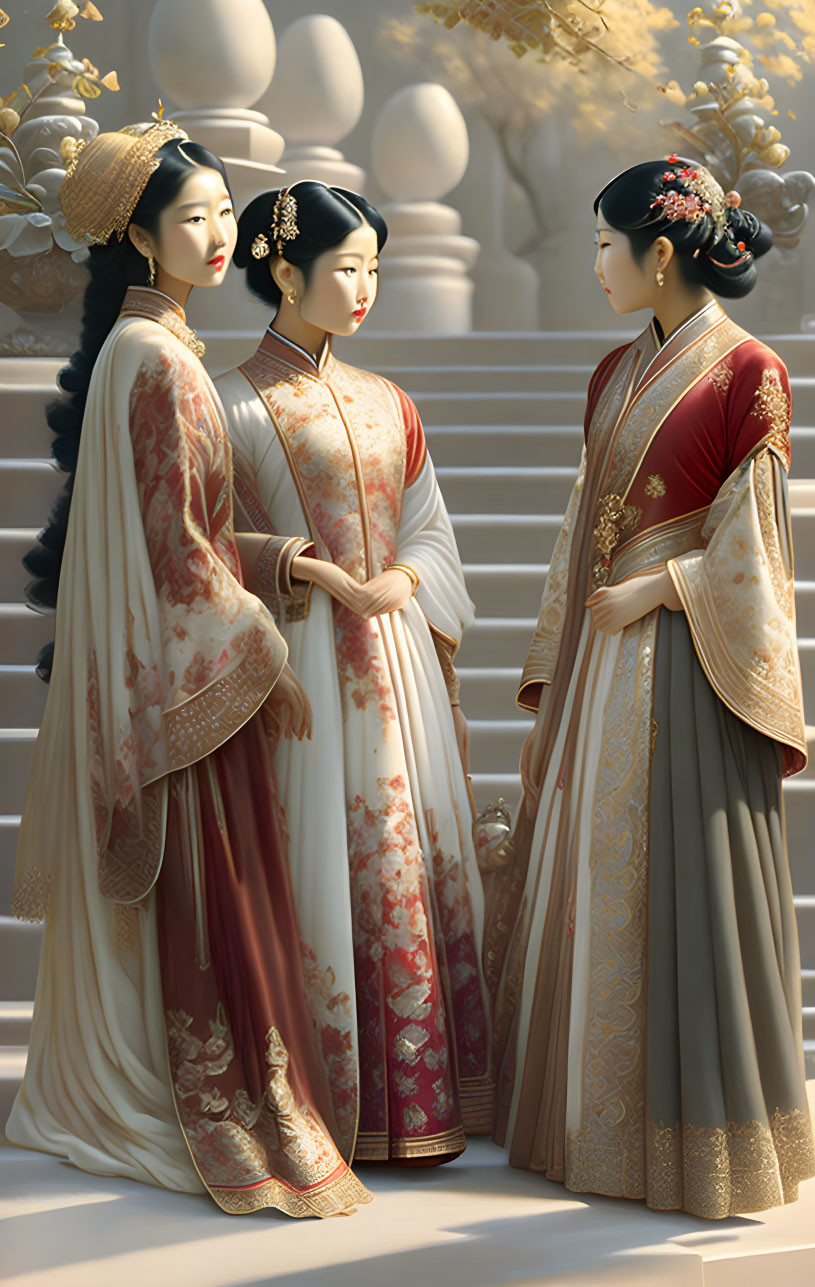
360, 313
218, 261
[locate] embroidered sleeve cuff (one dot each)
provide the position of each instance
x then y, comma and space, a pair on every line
272, 572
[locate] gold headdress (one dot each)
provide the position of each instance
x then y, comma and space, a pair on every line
284, 225
106, 178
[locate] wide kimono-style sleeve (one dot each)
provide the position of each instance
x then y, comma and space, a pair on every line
252, 436
201, 654
737, 592
426, 544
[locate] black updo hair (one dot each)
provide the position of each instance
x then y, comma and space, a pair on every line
704, 259
325, 217
113, 268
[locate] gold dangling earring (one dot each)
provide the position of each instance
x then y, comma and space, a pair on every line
151, 271
660, 277
292, 296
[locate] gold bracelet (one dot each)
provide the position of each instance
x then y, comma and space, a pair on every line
408, 571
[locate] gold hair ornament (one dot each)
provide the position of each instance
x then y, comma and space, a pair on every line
260, 246
105, 179
284, 219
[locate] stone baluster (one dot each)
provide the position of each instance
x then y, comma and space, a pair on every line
214, 59
420, 153
316, 99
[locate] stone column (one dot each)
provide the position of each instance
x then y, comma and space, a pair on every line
316, 99
420, 153
214, 59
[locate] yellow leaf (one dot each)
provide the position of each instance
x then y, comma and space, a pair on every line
792, 114
4, 18
86, 87
111, 81
91, 11
38, 53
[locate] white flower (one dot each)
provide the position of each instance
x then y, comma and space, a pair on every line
25, 234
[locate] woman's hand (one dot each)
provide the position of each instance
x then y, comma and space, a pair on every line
615, 607
290, 706
331, 578
387, 592
462, 738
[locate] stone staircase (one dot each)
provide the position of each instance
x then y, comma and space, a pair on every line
503, 416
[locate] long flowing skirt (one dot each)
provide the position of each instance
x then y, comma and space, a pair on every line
387, 888
207, 970
657, 1049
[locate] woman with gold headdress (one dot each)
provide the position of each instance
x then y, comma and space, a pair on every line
172, 1041
648, 1024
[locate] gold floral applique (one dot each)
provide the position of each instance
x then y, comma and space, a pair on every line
655, 486
772, 404
613, 518
721, 377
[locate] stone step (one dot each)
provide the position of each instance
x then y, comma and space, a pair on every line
490, 378
497, 589
808, 987
20, 946
506, 538
520, 408
488, 692
9, 831
22, 633
12, 1067
14, 543
495, 744
496, 641
28, 489
524, 445
16, 757
506, 488
530, 538
15, 1023
805, 912
22, 697
799, 810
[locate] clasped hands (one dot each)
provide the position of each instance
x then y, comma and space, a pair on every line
387, 592
614, 607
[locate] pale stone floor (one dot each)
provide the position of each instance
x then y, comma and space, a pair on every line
474, 1222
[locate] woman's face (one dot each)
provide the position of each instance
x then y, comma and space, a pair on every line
628, 285
342, 284
197, 233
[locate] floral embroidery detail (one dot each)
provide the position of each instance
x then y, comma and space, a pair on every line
612, 519
331, 1009
772, 404
721, 377
655, 487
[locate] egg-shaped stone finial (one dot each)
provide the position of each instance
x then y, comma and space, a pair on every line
420, 145
212, 53
317, 94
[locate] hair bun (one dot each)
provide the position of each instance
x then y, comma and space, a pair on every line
756, 237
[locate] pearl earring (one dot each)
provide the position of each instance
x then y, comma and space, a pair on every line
660, 277
151, 271
291, 297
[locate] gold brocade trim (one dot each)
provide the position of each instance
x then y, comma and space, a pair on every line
445, 651
605, 1155
377, 1146
772, 405
204, 722
716, 1172
155, 306
338, 1196
657, 544
655, 487
477, 1098
126, 928
612, 518
32, 895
